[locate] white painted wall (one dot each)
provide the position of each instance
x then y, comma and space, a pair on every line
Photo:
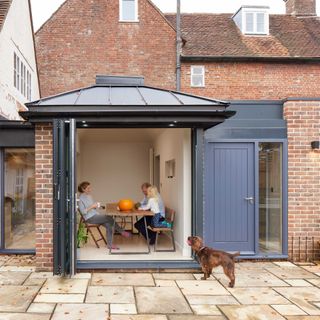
176, 192
115, 168
16, 36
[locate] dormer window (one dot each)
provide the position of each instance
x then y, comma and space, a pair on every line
252, 20
128, 10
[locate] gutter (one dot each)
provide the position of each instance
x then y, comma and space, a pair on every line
178, 47
185, 58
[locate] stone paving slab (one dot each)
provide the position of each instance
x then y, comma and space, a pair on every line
196, 317
41, 307
81, 312
123, 308
291, 273
165, 283
303, 298
206, 309
288, 310
202, 287
261, 312
264, 279
299, 282
16, 298
35, 282
122, 279
315, 282
213, 300
65, 285
258, 296
13, 278
138, 317
59, 298
24, 316
302, 317
173, 276
110, 294
160, 300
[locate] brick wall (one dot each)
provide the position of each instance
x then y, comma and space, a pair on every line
97, 43
303, 119
252, 80
44, 210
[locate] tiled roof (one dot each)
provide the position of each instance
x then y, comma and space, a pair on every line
4, 8
216, 35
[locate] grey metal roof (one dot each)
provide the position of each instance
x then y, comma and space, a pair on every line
119, 95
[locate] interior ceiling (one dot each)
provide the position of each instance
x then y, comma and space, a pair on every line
120, 135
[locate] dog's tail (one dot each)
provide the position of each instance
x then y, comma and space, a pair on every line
232, 255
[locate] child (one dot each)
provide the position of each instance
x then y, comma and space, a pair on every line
153, 205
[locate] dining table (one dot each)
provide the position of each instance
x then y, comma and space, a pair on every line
112, 209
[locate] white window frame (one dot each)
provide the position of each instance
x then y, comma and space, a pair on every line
22, 77
136, 19
255, 25
202, 74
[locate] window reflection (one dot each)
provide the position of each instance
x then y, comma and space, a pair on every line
270, 197
19, 207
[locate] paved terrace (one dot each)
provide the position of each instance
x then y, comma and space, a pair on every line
264, 290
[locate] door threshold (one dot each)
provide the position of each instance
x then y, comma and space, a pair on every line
137, 264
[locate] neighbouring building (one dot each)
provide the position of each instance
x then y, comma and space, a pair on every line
18, 85
243, 174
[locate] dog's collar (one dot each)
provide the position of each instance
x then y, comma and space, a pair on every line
201, 249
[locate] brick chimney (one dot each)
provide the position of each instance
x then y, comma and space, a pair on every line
301, 7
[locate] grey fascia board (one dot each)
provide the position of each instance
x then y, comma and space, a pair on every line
212, 58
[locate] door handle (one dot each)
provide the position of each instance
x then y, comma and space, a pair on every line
250, 199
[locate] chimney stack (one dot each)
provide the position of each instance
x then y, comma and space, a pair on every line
301, 8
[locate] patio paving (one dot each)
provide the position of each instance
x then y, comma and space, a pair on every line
263, 290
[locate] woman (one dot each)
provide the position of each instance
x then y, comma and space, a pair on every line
88, 209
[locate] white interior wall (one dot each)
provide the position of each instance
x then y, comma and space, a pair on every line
116, 169
175, 144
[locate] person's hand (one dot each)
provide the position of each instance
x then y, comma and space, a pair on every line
95, 205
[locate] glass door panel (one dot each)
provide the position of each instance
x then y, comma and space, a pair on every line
270, 197
19, 201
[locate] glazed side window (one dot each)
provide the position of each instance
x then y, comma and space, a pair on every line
128, 10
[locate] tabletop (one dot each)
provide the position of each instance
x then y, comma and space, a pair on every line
111, 209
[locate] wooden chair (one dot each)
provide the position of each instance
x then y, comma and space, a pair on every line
88, 226
170, 215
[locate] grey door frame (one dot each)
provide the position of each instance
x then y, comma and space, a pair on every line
256, 142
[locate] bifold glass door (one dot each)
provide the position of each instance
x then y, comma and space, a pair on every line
64, 172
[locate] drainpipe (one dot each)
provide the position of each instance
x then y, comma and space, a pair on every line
178, 49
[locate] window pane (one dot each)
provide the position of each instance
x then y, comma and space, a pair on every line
19, 208
15, 70
128, 10
270, 197
197, 81
249, 22
260, 22
197, 70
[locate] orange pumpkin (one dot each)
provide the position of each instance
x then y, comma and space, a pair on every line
125, 204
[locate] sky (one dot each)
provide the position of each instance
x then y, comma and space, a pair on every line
42, 10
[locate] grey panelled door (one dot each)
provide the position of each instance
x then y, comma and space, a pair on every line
229, 222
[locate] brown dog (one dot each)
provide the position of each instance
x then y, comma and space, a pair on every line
210, 258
